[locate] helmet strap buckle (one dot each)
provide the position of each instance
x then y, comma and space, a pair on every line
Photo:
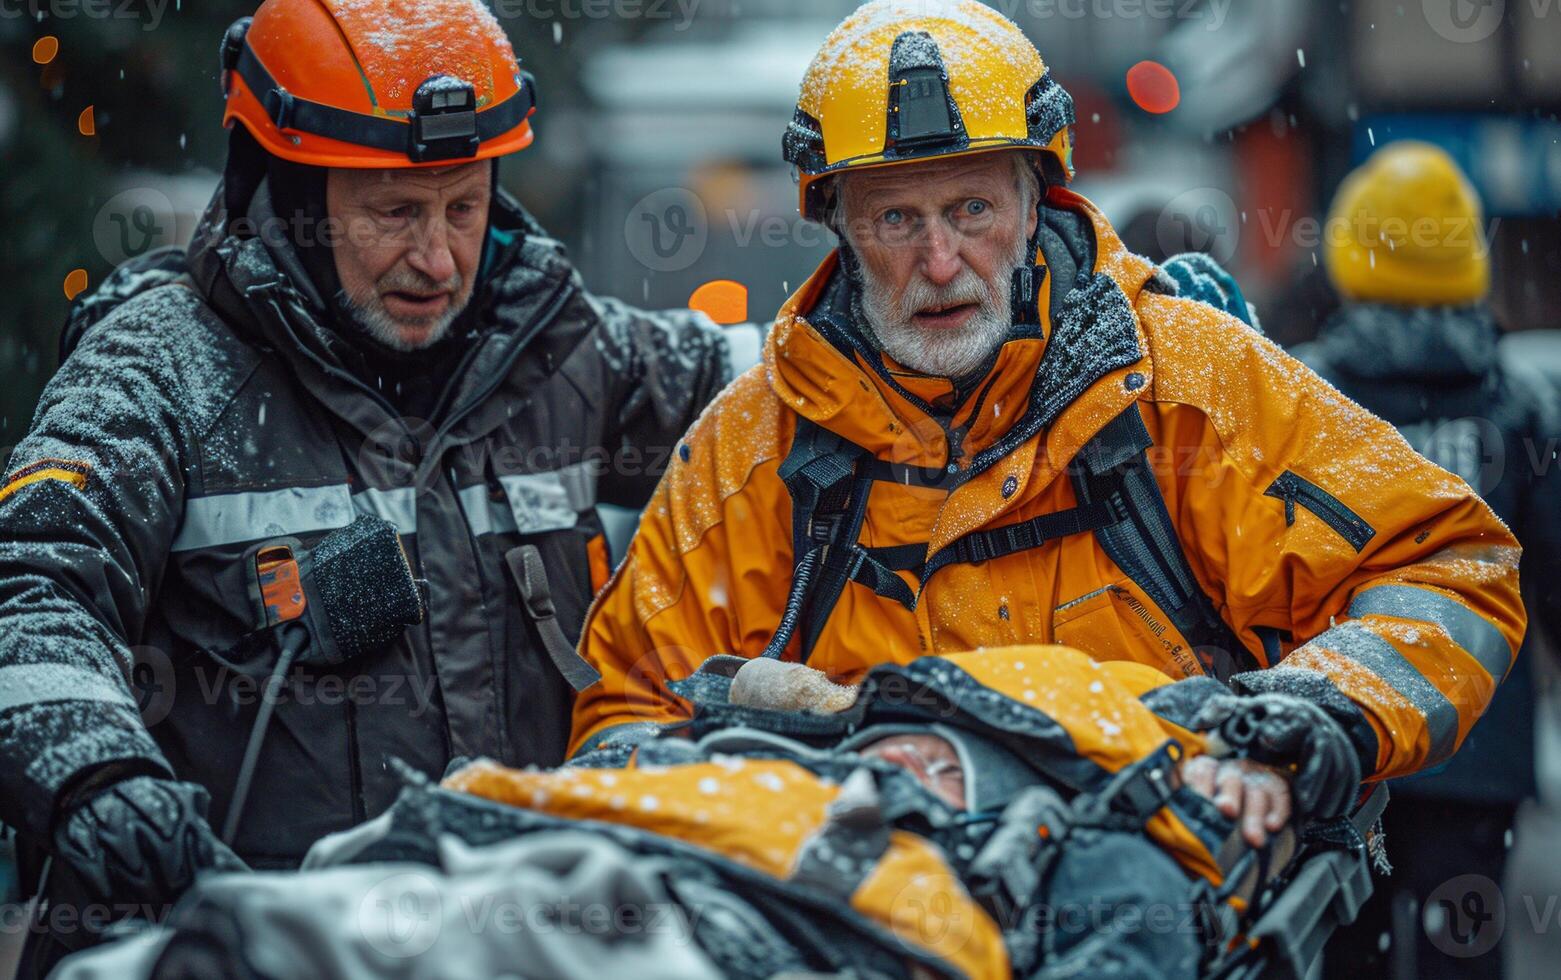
279, 104
444, 120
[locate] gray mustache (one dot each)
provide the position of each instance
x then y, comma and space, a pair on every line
920, 294
412, 281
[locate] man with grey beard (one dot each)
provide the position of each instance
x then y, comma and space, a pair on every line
366, 329
931, 252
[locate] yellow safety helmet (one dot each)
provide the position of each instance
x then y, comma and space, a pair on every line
1406, 229
903, 80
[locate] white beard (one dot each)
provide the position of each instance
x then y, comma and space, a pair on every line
369, 313
940, 351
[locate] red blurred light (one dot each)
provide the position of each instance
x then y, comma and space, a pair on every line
1153, 88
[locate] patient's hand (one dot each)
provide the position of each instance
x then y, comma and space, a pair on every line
1256, 795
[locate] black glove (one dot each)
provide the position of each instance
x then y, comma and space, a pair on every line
142, 839
1288, 733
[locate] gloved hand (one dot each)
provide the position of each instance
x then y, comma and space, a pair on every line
1288, 733
142, 839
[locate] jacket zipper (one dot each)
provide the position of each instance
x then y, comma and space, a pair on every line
522, 339
956, 437
276, 308
1293, 489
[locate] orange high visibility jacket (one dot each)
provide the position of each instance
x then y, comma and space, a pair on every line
1319, 536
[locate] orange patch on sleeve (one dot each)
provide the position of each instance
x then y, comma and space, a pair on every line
64, 470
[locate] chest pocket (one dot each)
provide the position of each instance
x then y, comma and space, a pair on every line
1118, 622
210, 579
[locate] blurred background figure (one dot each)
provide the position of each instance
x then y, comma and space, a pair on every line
1415, 342
1220, 126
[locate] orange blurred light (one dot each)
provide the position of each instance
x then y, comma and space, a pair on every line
722, 300
45, 49
87, 122
1153, 88
75, 283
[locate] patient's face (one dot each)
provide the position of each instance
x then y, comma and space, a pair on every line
932, 760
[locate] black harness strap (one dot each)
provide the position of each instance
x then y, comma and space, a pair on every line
1119, 502
900, 557
881, 577
843, 558
979, 546
828, 503
932, 478
1146, 546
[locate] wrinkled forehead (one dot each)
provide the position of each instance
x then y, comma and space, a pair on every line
984, 173
413, 180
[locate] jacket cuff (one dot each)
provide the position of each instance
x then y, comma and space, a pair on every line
1310, 685
68, 745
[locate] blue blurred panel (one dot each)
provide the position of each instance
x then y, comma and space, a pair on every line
10, 888
1515, 163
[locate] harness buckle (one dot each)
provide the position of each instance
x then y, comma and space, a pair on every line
824, 528
1150, 788
1137, 792
1021, 536
979, 551
1116, 504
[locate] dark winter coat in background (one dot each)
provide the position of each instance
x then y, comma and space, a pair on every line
203, 410
1434, 373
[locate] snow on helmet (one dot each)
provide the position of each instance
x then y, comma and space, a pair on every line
377, 84
903, 80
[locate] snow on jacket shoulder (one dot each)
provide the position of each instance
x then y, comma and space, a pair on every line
92, 498
1320, 538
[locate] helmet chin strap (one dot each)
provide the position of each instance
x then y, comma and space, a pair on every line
1025, 287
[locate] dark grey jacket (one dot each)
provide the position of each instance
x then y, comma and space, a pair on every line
1434, 373
199, 418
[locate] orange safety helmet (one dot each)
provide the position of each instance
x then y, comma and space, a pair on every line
377, 84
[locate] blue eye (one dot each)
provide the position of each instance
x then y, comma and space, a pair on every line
976, 207
893, 216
